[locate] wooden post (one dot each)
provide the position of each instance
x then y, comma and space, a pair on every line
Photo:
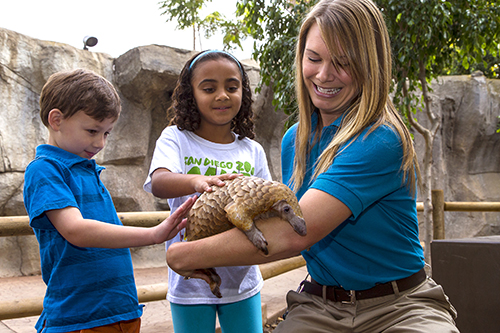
438, 214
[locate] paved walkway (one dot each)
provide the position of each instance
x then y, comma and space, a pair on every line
156, 317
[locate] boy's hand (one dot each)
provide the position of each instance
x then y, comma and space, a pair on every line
174, 223
204, 183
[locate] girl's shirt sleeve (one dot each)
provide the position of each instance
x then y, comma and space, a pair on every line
166, 155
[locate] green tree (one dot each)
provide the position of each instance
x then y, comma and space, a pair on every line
274, 27
187, 15
429, 38
186, 12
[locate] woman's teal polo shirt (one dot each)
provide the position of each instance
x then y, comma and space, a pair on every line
379, 242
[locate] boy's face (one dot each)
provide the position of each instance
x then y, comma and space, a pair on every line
80, 134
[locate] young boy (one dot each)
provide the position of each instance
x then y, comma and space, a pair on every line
84, 253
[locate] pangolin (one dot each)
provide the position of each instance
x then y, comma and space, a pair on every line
239, 203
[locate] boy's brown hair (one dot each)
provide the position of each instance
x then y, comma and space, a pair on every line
79, 90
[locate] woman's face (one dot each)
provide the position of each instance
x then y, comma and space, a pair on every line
331, 90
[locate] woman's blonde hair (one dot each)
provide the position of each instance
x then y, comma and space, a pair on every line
354, 29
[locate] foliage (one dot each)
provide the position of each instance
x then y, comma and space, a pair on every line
429, 38
477, 25
436, 37
490, 67
187, 15
185, 12
275, 27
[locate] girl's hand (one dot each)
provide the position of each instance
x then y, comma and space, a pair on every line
174, 223
204, 183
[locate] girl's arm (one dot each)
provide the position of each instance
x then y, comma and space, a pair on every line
322, 213
167, 184
91, 233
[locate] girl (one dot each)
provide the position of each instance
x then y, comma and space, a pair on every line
351, 161
209, 140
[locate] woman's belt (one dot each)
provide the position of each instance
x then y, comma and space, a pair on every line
337, 294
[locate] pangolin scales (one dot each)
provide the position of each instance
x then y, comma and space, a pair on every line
238, 204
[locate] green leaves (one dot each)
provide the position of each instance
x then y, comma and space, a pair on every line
185, 12
428, 37
275, 26
438, 37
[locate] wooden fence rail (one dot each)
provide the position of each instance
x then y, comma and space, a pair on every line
19, 226
147, 293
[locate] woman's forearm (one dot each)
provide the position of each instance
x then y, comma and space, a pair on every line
322, 213
232, 248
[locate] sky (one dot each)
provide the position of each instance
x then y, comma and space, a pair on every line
119, 25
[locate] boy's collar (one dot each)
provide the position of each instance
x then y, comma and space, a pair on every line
53, 152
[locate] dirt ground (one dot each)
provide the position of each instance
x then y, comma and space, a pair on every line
270, 327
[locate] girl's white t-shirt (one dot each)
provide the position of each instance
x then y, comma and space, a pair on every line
185, 152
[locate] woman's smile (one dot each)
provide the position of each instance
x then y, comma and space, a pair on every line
330, 85
327, 91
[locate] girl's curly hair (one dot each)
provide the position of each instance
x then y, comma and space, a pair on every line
185, 110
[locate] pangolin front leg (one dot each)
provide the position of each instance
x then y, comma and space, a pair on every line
246, 224
238, 204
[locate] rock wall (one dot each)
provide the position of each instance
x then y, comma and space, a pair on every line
145, 78
467, 150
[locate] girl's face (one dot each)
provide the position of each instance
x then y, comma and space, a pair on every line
217, 88
330, 90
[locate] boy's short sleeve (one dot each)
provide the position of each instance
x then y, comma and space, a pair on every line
45, 189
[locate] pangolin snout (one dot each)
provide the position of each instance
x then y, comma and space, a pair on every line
299, 225
287, 213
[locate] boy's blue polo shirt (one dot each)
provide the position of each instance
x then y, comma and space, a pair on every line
86, 287
379, 242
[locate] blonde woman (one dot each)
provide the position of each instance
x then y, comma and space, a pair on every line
351, 161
